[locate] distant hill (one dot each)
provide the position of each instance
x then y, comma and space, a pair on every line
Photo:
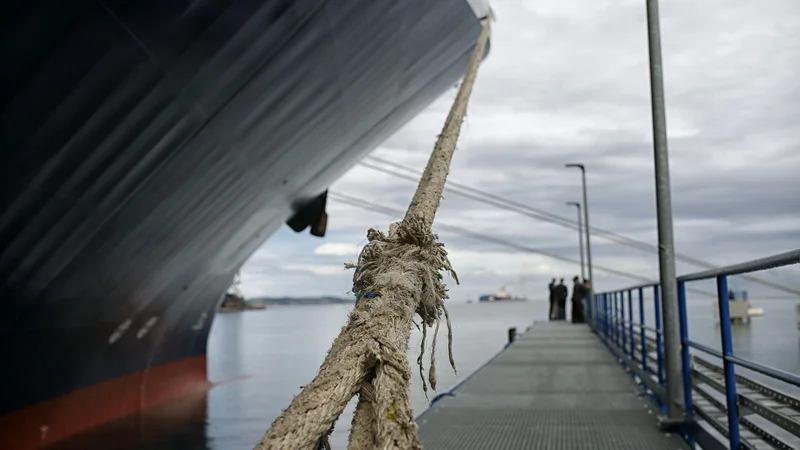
299, 300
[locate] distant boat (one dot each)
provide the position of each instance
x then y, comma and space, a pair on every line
234, 300
501, 296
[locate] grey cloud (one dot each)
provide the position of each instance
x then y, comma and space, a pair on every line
568, 81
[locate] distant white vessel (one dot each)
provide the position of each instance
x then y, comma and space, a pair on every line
501, 296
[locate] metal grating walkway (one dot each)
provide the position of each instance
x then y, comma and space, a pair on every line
557, 387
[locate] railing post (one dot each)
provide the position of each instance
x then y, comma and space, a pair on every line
601, 314
610, 319
587, 300
605, 314
598, 311
622, 322
621, 315
731, 396
612, 306
616, 318
687, 363
642, 330
659, 335
630, 325
598, 301
610, 315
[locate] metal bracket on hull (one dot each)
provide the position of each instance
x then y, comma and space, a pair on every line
311, 214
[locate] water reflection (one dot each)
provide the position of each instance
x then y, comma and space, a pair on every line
180, 424
227, 346
258, 360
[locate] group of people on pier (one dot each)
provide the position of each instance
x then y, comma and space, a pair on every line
558, 299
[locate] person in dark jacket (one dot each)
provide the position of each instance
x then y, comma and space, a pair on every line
578, 296
561, 296
552, 313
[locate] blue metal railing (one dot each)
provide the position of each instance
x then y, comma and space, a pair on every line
634, 341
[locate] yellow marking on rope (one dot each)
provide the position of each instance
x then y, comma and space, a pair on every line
392, 413
373, 292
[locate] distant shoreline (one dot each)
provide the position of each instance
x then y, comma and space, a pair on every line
246, 307
275, 301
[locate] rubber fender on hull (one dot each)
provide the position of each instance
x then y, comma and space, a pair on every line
311, 214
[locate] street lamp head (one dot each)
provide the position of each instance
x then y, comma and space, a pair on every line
578, 165
574, 204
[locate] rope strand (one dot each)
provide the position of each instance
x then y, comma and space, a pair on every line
398, 276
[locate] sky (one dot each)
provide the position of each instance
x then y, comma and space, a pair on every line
567, 81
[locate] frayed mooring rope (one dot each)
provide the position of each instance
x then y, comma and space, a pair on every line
398, 276
416, 249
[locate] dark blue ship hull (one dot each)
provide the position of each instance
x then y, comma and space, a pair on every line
147, 148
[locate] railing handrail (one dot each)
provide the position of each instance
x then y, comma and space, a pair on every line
616, 324
755, 265
782, 375
649, 284
763, 369
769, 262
706, 349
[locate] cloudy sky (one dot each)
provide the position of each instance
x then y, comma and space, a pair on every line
567, 81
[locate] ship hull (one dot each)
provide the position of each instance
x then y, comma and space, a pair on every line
148, 148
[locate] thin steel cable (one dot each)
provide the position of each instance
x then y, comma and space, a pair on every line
539, 214
374, 207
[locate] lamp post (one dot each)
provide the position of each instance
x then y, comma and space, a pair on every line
588, 241
586, 227
580, 235
666, 245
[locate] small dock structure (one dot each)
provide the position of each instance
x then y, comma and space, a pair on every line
741, 311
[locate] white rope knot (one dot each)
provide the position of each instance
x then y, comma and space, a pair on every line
410, 259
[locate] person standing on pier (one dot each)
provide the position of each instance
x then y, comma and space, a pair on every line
561, 296
578, 294
553, 312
